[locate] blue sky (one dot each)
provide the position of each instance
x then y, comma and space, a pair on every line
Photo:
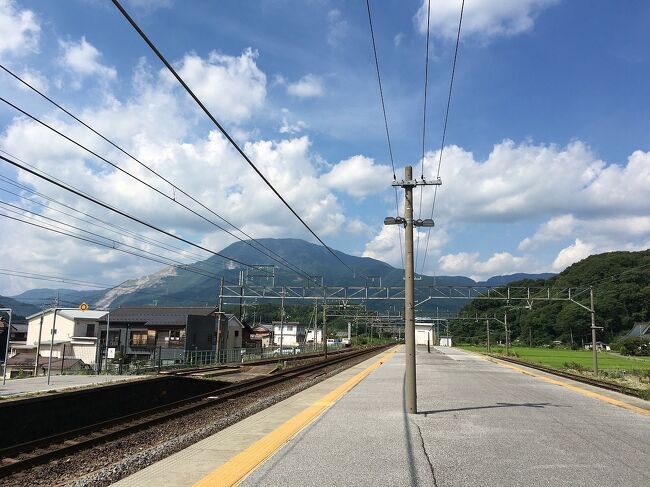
548, 146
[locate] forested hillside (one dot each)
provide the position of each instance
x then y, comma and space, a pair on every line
621, 284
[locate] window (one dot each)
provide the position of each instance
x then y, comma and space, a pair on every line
90, 330
138, 338
174, 335
289, 327
236, 333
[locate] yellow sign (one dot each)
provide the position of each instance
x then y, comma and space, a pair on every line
83, 307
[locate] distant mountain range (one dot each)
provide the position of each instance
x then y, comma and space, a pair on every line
179, 287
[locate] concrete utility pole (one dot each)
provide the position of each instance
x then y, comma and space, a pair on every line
409, 277
218, 345
38, 343
325, 329
593, 329
53, 332
487, 327
505, 324
282, 322
4, 374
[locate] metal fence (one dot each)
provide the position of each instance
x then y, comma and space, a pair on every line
166, 359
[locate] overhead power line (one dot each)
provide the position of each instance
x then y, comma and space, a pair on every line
424, 125
102, 244
221, 129
45, 277
383, 109
444, 129
281, 261
116, 210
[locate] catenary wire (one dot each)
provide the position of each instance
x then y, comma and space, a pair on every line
424, 125
383, 109
102, 244
74, 227
109, 227
116, 210
45, 277
444, 129
223, 130
282, 260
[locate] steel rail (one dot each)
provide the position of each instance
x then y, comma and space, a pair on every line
28, 454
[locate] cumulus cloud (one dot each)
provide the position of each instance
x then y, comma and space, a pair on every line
20, 29
233, 86
483, 19
525, 181
359, 176
571, 254
83, 59
309, 86
468, 263
555, 229
385, 246
206, 166
289, 126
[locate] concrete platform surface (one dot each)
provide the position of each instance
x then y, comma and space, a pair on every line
16, 387
479, 424
193, 464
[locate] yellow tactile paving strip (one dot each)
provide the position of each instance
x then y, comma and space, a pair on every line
245, 462
575, 388
190, 465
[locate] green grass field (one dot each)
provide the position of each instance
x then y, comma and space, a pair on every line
557, 357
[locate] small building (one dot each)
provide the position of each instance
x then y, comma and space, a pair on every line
639, 330
318, 333
167, 331
258, 336
75, 335
22, 365
289, 334
234, 333
424, 333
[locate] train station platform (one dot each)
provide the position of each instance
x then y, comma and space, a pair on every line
31, 385
479, 423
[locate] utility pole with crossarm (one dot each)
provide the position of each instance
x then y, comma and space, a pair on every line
409, 276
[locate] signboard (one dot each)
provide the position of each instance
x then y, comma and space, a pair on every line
111, 353
83, 307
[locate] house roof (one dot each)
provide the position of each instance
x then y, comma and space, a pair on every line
639, 330
27, 360
158, 315
72, 313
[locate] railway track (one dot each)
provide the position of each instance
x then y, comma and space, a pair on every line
20, 457
576, 377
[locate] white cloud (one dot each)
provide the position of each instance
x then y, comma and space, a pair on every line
555, 229
309, 86
519, 182
34, 78
234, 87
385, 246
484, 19
206, 166
571, 254
289, 126
20, 29
83, 59
468, 263
337, 27
359, 176
397, 40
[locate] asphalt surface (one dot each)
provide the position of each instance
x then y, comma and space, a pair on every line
479, 424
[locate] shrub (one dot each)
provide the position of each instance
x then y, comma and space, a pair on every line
635, 347
575, 366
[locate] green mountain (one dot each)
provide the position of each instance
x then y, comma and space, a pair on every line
19, 309
621, 286
179, 287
